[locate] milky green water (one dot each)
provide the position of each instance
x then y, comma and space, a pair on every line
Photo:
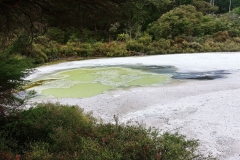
88, 82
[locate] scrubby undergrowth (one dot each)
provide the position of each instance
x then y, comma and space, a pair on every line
145, 45
54, 131
182, 29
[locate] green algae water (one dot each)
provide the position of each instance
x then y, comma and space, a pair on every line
88, 82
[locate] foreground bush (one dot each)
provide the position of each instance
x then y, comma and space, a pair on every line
54, 131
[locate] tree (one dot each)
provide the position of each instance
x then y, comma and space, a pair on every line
182, 2
226, 5
204, 7
179, 21
185, 21
135, 15
13, 69
230, 5
17, 16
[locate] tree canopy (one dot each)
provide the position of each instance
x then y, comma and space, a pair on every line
28, 15
104, 17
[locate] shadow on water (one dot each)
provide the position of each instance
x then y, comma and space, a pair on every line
209, 75
150, 68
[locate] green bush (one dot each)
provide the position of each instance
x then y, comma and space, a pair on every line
116, 49
44, 46
236, 10
146, 39
111, 49
181, 20
134, 46
204, 7
80, 49
230, 46
66, 51
38, 123
160, 47
207, 26
185, 20
38, 54
100, 49
84, 50
54, 131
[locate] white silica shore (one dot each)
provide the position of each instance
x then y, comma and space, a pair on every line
207, 110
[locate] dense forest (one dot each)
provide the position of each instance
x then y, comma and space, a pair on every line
35, 32
48, 30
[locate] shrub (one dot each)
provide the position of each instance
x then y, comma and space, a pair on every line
230, 46
160, 47
146, 39
236, 39
66, 51
38, 54
116, 49
177, 147
207, 26
111, 49
37, 124
221, 36
236, 10
49, 49
196, 46
84, 49
211, 46
100, 49
54, 131
204, 7
134, 46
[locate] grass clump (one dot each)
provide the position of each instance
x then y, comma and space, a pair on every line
54, 131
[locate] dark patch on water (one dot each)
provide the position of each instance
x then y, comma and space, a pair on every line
151, 68
155, 69
209, 75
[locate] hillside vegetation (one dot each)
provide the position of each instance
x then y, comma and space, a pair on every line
124, 28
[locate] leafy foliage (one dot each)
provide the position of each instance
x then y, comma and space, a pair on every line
204, 7
54, 131
236, 10
12, 71
179, 21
